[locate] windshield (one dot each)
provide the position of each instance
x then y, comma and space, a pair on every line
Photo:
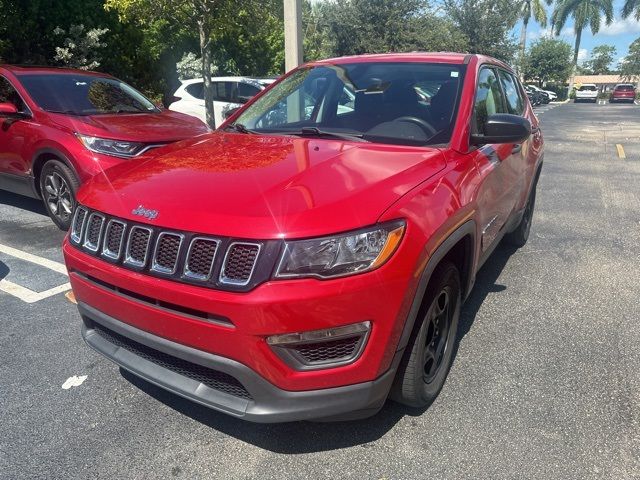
385, 102
588, 88
84, 94
624, 88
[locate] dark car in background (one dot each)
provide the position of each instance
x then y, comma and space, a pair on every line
60, 127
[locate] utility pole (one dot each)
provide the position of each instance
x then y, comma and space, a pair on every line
292, 34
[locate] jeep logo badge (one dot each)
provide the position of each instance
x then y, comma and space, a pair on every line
145, 212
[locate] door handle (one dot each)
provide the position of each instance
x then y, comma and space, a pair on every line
517, 148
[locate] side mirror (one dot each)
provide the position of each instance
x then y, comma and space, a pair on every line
8, 110
503, 128
230, 112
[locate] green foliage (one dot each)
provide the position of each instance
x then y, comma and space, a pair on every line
80, 48
602, 57
375, 26
487, 25
631, 8
585, 14
548, 60
630, 66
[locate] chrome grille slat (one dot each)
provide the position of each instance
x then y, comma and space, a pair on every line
93, 232
200, 258
239, 263
113, 239
137, 252
77, 228
222, 263
166, 253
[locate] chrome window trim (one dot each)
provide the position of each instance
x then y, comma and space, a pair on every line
78, 238
155, 267
105, 249
228, 281
130, 261
88, 245
195, 276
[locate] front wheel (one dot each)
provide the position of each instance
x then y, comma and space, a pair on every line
58, 186
429, 354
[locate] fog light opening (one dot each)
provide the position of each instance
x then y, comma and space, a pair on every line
327, 348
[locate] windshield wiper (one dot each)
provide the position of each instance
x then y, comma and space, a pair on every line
238, 127
316, 132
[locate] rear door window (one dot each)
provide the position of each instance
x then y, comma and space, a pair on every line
196, 90
515, 102
246, 92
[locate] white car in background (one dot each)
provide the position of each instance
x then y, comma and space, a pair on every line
228, 93
552, 95
588, 92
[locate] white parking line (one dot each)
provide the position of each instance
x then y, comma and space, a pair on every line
25, 294
28, 257
29, 296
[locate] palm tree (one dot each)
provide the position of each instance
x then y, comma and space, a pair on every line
631, 7
535, 8
585, 14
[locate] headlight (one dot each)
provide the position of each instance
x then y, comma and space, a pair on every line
340, 255
118, 148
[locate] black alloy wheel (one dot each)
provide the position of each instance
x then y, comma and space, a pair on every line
58, 187
429, 354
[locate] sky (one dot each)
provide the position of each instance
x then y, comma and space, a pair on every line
620, 34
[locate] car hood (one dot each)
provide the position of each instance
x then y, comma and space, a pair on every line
254, 186
162, 127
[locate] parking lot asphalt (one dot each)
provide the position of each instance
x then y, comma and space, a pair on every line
545, 383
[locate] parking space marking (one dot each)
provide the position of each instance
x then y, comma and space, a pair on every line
621, 153
27, 295
29, 257
74, 381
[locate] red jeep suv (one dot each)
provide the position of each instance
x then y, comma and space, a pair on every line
59, 127
310, 258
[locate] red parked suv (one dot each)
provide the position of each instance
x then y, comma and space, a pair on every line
623, 92
311, 257
59, 127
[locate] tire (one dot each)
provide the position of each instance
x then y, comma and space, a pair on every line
58, 187
519, 236
423, 370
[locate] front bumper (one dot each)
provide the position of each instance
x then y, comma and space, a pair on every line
224, 384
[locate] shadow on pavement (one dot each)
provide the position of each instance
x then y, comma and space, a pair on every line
20, 201
4, 270
307, 437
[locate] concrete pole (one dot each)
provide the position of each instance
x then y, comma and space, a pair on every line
292, 34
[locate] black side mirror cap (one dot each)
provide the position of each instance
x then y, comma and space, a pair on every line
503, 128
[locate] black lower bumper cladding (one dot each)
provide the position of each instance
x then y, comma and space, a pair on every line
221, 383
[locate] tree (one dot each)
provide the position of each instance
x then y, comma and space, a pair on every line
631, 7
585, 14
487, 24
80, 48
602, 57
527, 9
630, 66
377, 26
205, 16
549, 60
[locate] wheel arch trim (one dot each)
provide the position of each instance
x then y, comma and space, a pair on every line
467, 229
59, 155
